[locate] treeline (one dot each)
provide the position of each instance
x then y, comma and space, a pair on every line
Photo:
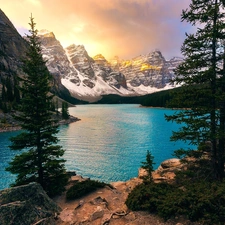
116, 99
10, 95
157, 99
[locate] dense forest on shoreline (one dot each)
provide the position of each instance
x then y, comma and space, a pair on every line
156, 99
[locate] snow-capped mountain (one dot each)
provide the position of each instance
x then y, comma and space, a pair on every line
146, 73
89, 78
77, 75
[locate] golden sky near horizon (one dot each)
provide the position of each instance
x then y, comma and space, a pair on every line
126, 28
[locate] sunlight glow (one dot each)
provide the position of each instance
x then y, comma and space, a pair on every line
34, 2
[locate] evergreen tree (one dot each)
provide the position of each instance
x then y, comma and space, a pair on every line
65, 112
148, 166
4, 97
202, 77
16, 90
41, 159
57, 107
9, 89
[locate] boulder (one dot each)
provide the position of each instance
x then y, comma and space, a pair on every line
142, 172
165, 172
99, 201
98, 213
171, 163
27, 204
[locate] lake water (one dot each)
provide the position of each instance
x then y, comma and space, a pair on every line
109, 143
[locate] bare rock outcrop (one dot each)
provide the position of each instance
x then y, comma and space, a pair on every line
27, 204
165, 172
107, 206
103, 207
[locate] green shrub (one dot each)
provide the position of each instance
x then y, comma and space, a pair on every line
80, 189
206, 202
147, 196
148, 166
201, 201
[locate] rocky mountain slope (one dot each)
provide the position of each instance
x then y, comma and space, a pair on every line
12, 48
89, 78
85, 78
78, 76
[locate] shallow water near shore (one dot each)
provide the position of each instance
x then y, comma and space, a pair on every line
109, 142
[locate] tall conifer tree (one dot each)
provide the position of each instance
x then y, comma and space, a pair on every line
41, 159
65, 112
16, 90
202, 77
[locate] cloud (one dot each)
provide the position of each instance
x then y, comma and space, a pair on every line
126, 28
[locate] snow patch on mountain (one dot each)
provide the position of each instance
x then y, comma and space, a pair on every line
89, 78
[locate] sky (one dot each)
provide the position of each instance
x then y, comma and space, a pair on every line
123, 28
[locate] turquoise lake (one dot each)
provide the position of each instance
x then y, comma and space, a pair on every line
109, 142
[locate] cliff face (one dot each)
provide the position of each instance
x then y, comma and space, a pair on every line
12, 47
145, 71
58, 64
12, 44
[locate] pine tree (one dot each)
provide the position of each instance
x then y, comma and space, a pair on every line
57, 107
148, 166
4, 96
65, 112
202, 77
41, 159
16, 90
9, 89
4, 99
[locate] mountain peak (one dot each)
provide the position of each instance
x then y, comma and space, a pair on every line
46, 33
99, 57
77, 75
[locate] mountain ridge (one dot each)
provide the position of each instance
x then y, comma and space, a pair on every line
89, 78
81, 78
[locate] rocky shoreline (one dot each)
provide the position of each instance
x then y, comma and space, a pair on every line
12, 125
105, 206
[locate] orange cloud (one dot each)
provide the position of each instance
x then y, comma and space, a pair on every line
126, 28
